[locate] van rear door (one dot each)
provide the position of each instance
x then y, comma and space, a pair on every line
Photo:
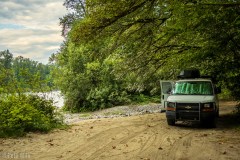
166, 88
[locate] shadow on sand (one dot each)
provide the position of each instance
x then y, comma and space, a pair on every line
229, 121
225, 121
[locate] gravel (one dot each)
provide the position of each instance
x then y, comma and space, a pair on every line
119, 111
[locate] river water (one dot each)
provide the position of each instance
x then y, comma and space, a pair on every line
55, 96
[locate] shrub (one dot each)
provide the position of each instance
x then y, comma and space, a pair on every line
21, 114
143, 99
105, 97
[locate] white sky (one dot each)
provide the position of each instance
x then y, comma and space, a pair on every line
30, 28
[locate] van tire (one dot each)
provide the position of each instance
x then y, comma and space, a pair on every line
171, 122
217, 114
209, 123
213, 122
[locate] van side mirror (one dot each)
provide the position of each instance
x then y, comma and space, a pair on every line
218, 90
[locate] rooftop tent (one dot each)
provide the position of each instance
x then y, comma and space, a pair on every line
194, 73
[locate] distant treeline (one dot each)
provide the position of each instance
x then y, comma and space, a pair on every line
18, 75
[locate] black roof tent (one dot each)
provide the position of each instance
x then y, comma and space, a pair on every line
193, 73
185, 74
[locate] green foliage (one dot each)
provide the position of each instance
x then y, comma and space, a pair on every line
145, 41
144, 99
105, 97
89, 84
19, 75
21, 114
31, 75
6, 59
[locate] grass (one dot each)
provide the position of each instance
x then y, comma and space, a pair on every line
84, 115
143, 99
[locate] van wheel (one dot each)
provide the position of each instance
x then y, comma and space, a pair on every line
213, 122
217, 113
209, 123
171, 122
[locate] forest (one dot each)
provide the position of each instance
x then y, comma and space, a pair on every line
116, 52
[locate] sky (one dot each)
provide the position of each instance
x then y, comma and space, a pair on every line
30, 28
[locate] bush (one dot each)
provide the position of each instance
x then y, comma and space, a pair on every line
21, 114
144, 99
105, 97
225, 95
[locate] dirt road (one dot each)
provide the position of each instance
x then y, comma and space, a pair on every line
146, 137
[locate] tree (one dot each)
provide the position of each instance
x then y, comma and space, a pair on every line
20, 75
5, 72
31, 75
77, 11
154, 39
6, 59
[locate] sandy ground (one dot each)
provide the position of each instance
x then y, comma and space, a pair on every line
146, 137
